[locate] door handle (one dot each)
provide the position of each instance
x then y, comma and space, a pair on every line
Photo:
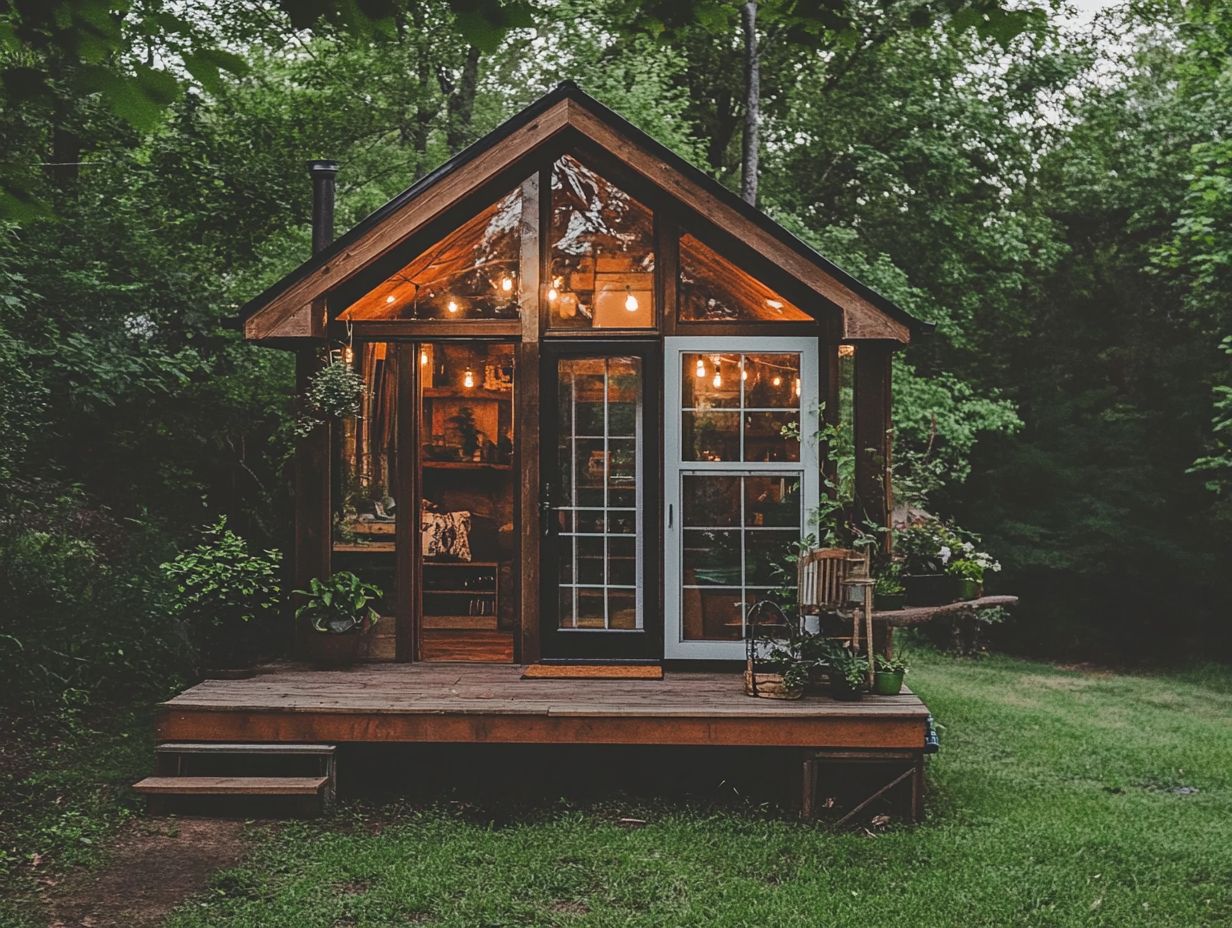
669, 515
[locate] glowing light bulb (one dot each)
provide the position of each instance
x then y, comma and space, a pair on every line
776, 305
797, 390
777, 381
468, 379
701, 368
423, 357
507, 283
630, 301
552, 294
452, 306
389, 299
718, 379
744, 374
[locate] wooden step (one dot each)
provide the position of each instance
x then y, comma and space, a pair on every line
236, 747
231, 786
461, 622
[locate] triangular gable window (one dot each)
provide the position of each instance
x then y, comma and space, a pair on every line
713, 289
602, 253
471, 273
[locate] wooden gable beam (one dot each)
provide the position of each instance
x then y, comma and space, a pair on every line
298, 312
862, 319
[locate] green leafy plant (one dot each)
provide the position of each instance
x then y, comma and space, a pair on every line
850, 667
468, 432
338, 604
219, 586
897, 664
888, 581
333, 392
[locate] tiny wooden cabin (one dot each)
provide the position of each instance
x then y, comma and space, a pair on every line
586, 368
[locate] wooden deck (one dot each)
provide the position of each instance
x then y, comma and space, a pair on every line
442, 703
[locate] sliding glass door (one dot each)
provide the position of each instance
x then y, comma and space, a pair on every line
741, 478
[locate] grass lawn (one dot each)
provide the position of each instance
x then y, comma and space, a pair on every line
1060, 797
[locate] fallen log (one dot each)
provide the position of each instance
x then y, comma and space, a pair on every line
918, 615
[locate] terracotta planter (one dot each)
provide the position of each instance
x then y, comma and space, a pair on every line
930, 589
328, 650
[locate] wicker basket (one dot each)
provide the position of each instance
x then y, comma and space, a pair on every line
768, 686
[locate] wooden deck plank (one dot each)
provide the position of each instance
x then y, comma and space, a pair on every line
231, 786
491, 703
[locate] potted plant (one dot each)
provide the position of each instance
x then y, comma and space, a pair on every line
848, 675
926, 547
337, 610
333, 392
775, 669
888, 675
888, 590
968, 569
226, 598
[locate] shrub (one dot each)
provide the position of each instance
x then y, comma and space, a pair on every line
225, 595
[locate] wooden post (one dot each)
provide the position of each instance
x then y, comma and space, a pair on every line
872, 423
526, 415
311, 552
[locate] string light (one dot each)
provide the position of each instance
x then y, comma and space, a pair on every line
744, 374
468, 379
389, 299
423, 357
701, 367
797, 391
630, 300
718, 379
507, 283
777, 380
452, 306
552, 294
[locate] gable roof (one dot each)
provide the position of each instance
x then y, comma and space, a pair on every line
293, 307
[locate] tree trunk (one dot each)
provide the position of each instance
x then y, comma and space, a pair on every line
462, 103
752, 103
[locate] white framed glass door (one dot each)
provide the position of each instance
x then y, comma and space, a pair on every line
742, 476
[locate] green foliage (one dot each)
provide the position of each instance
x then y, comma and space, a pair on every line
219, 586
339, 604
849, 666
896, 664
334, 392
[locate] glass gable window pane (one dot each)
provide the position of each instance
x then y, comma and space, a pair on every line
471, 273
602, 253
712, 289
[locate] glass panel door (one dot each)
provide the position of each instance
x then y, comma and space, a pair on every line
740, 481
596, 499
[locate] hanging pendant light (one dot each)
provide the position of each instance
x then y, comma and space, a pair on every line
423, 357
701, 367
506, 284
630, 300
452, 306
468, 379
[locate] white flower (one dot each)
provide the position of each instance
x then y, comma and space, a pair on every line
968, 547
944, 554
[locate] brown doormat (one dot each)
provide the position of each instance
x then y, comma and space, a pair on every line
593, 672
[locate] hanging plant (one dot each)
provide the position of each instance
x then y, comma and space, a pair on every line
333, 392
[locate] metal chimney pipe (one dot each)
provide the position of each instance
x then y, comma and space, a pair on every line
322, 174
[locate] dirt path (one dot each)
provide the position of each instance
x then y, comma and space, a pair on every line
155, 864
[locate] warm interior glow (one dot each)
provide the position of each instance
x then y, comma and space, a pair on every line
777, 381
389, 299
348, 354
452, 306
507, 283
630, 300
718, 378
552, 294
797, 386
701, 368
846, 351
423, 357
468, 379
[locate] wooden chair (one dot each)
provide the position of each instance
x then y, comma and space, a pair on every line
821, 574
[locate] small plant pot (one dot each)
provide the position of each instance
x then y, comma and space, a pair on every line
929, 589
769, 686
329, 650
841, 689
969, 589
889, 602
886, 683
